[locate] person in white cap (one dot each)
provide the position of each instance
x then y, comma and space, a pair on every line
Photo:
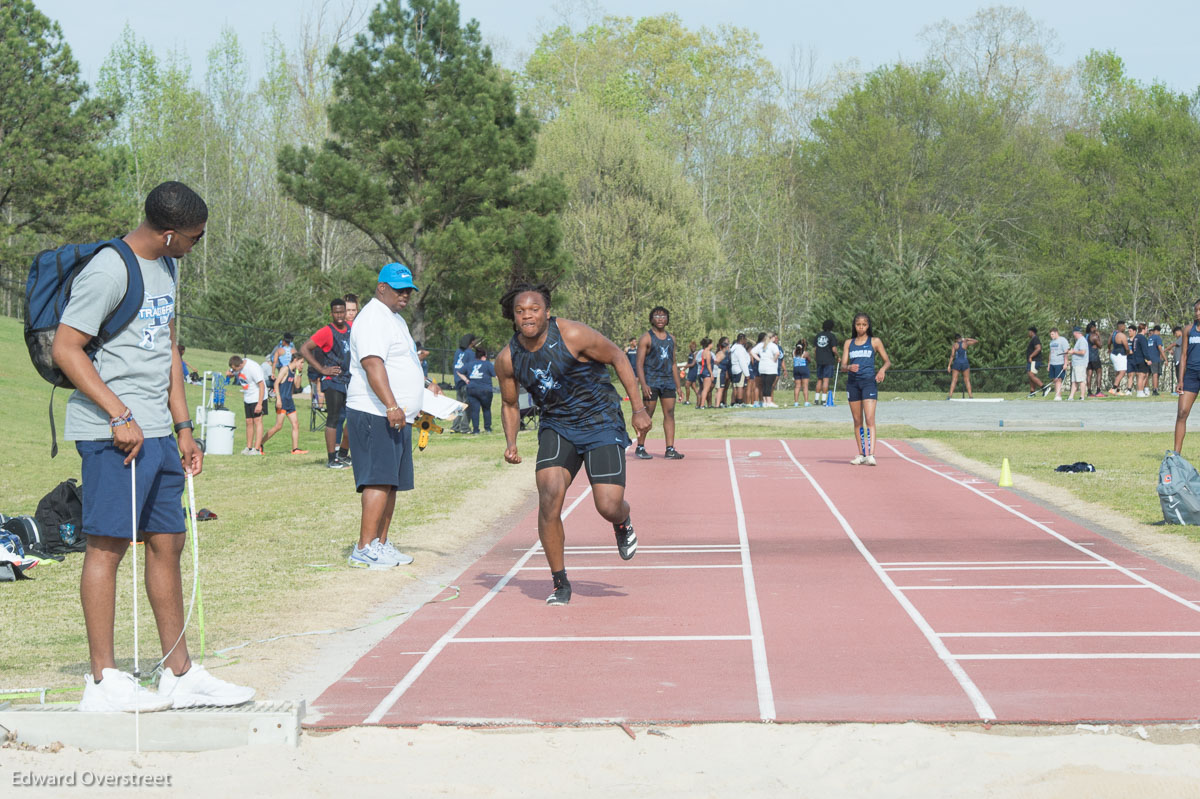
382, 402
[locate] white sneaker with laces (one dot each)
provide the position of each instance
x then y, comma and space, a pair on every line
119, 692
197, 688
858, 460
373, 556
869, 460
396, 555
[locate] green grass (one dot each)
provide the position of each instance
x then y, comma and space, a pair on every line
286, 524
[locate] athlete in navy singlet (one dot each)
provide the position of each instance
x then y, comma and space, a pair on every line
655, 367
1189, 376
858, 361
959, 364
564, 367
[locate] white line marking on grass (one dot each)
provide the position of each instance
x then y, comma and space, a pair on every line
982, 708
1077, 546
559, 639
758, 646
401, 687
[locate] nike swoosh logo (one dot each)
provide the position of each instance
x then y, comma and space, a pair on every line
552, 346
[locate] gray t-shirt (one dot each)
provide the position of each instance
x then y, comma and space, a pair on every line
1079, 361
1058, 348
136, 362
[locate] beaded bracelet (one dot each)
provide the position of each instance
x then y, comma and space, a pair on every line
122, 420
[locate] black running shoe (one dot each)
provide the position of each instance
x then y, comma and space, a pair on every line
561, 595
673, 454
642, 453
345, 459
626, 539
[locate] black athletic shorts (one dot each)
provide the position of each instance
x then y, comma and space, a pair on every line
604, 464
335, 406
661, 393
250, 412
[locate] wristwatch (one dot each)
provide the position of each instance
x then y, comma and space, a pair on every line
184, 425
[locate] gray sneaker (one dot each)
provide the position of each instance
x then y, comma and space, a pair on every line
395, 554
372, 556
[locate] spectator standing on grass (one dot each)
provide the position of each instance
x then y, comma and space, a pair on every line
285, 406
383, 401
1079, 363
704, 374
1058, 350
768, 369
249, 376
1118, 352
479, 391
1033, 354
333, 365
1175, 353
959, 364
463, 358
1188, 376
825, 349
739, 366
121, 415
351, 301
1139, 365
1094, 371
689, 376
755, 375
721, 365
1157, 356
800, 373
283, 353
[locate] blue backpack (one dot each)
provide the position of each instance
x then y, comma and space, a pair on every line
47, 292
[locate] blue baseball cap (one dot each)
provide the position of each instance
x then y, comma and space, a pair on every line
398, 276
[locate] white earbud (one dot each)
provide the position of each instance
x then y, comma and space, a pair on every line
168, 239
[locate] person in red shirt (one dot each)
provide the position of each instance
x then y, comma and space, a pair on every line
333, 342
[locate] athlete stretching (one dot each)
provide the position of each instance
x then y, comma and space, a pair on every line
659, 378
562, 364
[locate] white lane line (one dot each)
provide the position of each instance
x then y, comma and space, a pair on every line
1089, 634
559, 639
401, 687
1081, 568
1078, 547
982, 708
1013, 587
1090, 562
620, 567
1089, 656
758, 646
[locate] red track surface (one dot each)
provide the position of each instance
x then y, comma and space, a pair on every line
775, 581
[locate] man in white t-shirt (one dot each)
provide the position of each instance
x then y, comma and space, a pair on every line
249, 376
383, 400
739, 368
768, 368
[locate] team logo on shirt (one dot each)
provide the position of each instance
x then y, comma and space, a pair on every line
664, 351
157, 312
545, 381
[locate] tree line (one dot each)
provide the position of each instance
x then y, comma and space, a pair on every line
629, 163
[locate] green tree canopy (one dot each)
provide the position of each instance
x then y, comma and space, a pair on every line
427, 159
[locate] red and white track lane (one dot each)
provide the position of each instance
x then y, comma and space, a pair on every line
774, 581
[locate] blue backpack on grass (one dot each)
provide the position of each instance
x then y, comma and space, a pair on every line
47, 292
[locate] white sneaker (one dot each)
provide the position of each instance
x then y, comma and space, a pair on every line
197, 688
869, 460
858, 460
1058, 399
399, 557
119, 692
371, 557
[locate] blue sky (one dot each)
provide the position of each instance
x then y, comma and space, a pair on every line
1155, 38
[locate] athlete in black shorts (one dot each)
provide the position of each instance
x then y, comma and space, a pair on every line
656, 372
563, 366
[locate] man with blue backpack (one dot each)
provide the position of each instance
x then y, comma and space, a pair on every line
128, 407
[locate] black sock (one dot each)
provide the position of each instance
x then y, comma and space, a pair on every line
341, 453
620, 527
332, 455
560, 578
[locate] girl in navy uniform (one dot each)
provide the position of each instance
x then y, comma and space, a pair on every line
800, 373
959, 364
564, 367
1189, 376
285, 405
858, 361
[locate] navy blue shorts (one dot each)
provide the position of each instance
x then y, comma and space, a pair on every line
657, 393
960, 366
382, 454
1056, 370
605, 464
1191, 381
285, 404
106, 488
858, 390
826, 371
800, 374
